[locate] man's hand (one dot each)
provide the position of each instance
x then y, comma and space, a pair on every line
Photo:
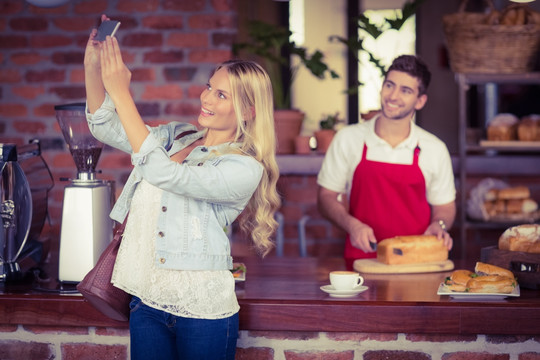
362, 236
435, 228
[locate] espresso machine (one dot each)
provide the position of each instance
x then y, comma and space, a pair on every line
86, 227
25, 181
15, 212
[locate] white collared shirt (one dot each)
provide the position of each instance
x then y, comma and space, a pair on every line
346, 150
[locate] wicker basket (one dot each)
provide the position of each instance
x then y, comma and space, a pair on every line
475, 47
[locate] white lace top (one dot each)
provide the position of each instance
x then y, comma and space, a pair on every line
195, 294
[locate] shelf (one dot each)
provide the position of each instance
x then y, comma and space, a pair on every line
477, 224
490, 158
526, 78
504, 148
294, 164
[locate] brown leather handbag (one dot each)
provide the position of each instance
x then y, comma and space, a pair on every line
96, 287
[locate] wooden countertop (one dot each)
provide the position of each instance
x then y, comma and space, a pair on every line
283, 294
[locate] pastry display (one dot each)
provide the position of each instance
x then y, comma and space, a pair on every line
508, 127
509, 202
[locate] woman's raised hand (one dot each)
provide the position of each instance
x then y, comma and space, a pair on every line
114, 73
92, 51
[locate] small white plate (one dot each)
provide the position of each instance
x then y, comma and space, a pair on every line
329, 289
443, 290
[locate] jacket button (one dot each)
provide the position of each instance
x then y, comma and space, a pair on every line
162, 260
161, 234
164, 208
184, 162
200, 164
204, 149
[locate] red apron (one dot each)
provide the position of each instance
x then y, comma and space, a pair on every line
391, 198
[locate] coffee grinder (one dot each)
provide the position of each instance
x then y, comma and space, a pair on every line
86, 227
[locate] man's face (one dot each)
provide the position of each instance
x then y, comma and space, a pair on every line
400, 96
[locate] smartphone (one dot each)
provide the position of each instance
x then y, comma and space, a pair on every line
108, 27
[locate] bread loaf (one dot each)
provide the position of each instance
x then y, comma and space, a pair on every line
517, 192
529, 128
503, 127
525, 238
509, 201
414, 249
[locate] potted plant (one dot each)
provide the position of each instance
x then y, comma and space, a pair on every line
355, 44
328, 126
282, 58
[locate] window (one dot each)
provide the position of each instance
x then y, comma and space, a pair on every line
386, 47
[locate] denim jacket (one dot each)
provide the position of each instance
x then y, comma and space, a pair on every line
200, 197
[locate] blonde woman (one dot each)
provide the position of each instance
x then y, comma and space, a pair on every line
186, 186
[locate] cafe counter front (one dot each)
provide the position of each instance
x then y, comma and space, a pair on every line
285, 315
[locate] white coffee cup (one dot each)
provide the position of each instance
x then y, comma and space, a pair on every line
345, 280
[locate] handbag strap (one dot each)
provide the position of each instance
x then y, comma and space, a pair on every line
119, 229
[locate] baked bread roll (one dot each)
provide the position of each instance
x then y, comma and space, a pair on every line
491, 195
483, 269
413, 249
458, 280
511, 201
521, 206
529, 206
529, 128
517, 192
503, 127
494, 284
486, 278
525, 238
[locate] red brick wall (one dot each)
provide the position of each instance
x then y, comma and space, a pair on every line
40, 342
170, 46
299, 198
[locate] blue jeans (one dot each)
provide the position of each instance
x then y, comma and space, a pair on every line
156, 334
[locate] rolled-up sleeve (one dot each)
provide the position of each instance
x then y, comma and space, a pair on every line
106, 127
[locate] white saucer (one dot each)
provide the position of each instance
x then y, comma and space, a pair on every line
329, 289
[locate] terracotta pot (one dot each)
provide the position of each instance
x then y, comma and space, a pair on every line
288, 126
324, 138
301, 145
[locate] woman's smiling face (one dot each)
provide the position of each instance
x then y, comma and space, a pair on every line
217, 110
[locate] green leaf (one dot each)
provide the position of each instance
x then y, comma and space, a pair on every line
269, 42
365, 24
408, 10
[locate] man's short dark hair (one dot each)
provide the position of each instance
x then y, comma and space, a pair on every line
415, 67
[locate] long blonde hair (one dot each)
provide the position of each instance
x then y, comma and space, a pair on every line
254, 107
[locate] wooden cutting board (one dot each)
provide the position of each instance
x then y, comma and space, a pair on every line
372, 266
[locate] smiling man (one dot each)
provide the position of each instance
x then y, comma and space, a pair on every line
388, 177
